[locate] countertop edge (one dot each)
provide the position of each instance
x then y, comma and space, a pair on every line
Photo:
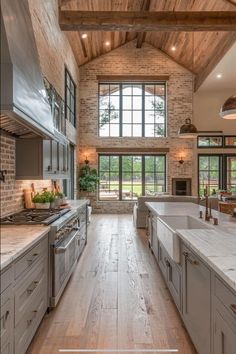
24, 249
208, 261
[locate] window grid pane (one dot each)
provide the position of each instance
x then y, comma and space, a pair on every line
139, 109
70, 98
125, 177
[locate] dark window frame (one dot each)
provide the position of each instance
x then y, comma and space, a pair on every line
229, 146
222, 169
72, 94
223, 144
210, 146
143, 110
142, 172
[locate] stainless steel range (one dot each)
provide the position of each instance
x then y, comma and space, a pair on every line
67, 238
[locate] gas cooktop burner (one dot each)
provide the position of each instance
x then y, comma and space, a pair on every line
34, 216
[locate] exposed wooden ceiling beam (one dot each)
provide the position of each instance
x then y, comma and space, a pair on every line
232, 2
141, 35
147, 21
221, 49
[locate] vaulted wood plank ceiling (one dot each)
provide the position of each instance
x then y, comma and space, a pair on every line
197, 51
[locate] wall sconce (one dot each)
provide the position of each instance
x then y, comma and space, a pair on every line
86, 161
2, 175
181, 161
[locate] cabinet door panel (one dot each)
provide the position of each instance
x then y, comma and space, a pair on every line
174, 282
47, 156
55, 164
196, 300
61, 157
162, 260
224, 336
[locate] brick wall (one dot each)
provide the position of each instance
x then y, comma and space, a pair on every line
54, 53
11, 191
128, 60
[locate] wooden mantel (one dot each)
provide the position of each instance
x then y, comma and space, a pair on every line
140, 21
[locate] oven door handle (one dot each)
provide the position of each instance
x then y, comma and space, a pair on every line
62, 249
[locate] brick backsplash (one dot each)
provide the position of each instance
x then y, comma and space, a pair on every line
12, 190
128, 60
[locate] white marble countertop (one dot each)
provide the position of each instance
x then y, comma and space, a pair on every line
216, 246
15, 240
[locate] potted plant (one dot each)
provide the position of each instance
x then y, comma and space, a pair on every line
43, 200
88, 179
59, 199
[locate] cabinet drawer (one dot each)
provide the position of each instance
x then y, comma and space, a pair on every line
6, 321
29, 323
6, 278
28, 261
32, 287
225, 295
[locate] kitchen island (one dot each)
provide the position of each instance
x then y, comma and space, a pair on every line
198, 263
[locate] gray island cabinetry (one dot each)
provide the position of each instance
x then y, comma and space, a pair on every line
202, 283
24, 297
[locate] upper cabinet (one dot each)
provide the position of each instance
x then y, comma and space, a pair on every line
41, 159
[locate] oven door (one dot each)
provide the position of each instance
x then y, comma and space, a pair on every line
65, 255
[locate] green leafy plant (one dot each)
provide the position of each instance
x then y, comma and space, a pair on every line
45, 197
88, 179
59, 195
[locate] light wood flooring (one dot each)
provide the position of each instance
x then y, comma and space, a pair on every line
116, 298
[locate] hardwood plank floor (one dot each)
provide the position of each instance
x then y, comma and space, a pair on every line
116, 298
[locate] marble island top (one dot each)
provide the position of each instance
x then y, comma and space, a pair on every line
216, 246
15, 240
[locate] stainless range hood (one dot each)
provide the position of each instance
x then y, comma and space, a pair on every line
25, 110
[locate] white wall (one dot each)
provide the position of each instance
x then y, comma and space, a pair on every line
206, 111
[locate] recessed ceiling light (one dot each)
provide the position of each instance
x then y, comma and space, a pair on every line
84, 35
107, 43
173, 49
219, 76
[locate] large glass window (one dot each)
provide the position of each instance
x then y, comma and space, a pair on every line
218, 172
209, 173
70, 98
127, 177
231, 173
132, 109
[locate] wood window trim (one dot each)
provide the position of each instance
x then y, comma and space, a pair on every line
140, 151
132, 78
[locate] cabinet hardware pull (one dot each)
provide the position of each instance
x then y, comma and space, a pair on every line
30, 290
191, 261
233, 308
6, 315
30, 261
30, 321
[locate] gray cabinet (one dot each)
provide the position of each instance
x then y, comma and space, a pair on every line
162, 257
154, 244
24, 298
172, 274
174, 281
6, 313
224, 318
196, 300
41, 159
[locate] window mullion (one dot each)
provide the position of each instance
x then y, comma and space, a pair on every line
143, 110
143, 175
121, 111
120, 177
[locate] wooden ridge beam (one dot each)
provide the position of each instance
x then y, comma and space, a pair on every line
141, 21
142, 35
222, 48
